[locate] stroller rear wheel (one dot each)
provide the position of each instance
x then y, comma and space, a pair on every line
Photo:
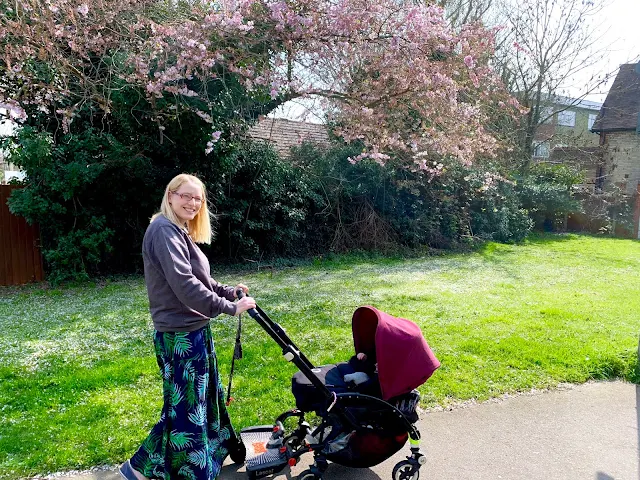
308, 475
406, 470
292, 441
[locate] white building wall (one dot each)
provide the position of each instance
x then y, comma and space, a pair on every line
7, 127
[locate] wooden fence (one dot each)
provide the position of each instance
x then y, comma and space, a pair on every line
20, 257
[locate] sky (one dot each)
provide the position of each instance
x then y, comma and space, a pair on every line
620, 30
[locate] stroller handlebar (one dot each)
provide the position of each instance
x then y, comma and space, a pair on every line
252, 311
276, 332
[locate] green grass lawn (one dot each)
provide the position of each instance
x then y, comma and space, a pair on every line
78, 379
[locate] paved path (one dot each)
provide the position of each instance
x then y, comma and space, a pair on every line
581, 432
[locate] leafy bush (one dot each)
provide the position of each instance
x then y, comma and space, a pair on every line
93, 196
92, 192
369, 206
547, 192
498, 215
263, 206
348, 208
90, 196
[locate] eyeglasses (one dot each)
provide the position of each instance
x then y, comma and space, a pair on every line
187, 197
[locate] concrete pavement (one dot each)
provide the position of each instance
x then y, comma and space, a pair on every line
588, 431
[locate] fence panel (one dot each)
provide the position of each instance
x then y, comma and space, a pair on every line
20, 257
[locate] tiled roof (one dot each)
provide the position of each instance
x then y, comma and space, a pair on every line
284, 134
621, 108
574, 102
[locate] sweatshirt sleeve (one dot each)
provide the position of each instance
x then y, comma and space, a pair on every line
172, 254
223, 290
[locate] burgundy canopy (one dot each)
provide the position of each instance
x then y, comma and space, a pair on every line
404, 358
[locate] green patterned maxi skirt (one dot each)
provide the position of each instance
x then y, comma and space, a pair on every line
190, 440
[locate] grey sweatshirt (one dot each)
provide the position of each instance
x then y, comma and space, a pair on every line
182, 294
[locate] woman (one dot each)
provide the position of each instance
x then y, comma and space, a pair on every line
192, 438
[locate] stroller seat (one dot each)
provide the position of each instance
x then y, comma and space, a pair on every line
397, 360
308, 399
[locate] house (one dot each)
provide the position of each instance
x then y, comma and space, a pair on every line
618, 124
284, 134
566, 123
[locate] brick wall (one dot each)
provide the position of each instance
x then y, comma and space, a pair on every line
622, 157
284, 134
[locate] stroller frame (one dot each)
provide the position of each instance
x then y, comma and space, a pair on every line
290, 447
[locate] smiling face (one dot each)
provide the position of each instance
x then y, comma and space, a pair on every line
186, 201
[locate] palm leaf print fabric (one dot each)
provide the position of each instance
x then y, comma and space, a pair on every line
190, 440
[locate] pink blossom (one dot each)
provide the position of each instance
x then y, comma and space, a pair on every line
469, 61
205, 116
520, 48
16, 112
83, 9
215, 136
401, 103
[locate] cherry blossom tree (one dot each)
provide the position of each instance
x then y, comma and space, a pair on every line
395, 77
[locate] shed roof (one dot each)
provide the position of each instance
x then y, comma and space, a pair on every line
621, 108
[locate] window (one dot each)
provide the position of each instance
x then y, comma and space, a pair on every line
592, 119
567, 118
541, 150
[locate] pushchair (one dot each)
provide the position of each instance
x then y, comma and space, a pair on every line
360, 425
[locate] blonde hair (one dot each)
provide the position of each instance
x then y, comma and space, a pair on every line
199, 229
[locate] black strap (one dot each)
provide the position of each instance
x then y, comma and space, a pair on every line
237, 354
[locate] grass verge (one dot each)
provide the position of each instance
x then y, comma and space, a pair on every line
79, 384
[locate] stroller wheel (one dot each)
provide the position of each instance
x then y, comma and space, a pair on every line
237, 452
406, 470
293, 441
308, 475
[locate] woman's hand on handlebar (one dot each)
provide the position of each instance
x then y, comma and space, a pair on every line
242, 287
244, 304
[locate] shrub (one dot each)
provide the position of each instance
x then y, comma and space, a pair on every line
547, 192
371, 206
263, 204
89, 194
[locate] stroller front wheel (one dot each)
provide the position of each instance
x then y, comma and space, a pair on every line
406, 470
